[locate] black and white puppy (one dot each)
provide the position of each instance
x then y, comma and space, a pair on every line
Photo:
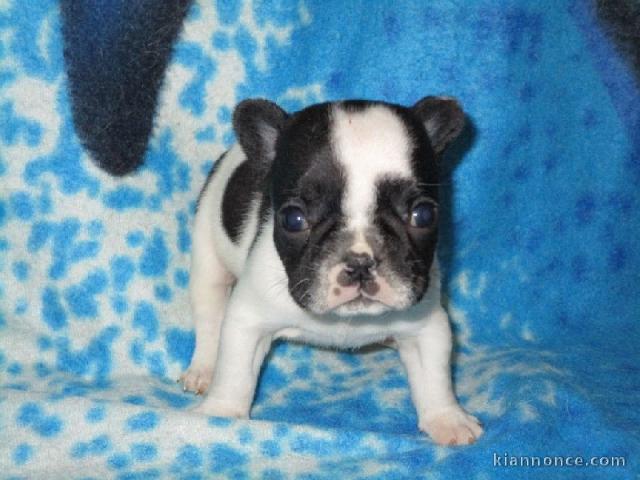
321, 227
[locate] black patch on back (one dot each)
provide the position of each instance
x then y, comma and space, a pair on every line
245, 184
116, 54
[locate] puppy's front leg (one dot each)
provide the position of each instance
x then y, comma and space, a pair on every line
427, 359
243, 346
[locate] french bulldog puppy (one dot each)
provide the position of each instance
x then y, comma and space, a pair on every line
321, 226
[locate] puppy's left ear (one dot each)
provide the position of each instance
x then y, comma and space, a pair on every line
257, 123
443, 119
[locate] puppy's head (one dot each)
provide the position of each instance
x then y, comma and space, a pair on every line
354, 192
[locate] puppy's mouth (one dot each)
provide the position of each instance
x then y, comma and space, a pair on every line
371, 295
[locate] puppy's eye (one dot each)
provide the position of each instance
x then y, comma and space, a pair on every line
292, 219
422, 215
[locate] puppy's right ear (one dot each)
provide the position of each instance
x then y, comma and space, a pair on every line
257, 123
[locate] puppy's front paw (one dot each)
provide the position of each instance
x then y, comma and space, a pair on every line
217, 408
196, 379
452, 426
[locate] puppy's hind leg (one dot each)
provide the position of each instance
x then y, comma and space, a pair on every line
209, 286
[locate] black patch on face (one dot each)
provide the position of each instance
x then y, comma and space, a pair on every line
306, 174
408, 251
246, 183
424, 161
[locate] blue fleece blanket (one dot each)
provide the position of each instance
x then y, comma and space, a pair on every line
540, 245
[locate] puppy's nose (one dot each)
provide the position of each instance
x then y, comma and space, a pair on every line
358, 269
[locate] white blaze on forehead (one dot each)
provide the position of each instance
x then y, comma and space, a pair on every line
369, 144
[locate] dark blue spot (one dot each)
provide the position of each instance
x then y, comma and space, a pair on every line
135, 238
148, 474
621, 202
275, 12
184, 239
270, 448
22, 205
95, 228
44, 343
228, 139
590, 118
224, 458
155, 257
135, 400
81, 297
83, 249
181, 278
579, 267
142, 422
391, 27
300, 396
40, 233
193, 94
271, 474
527, 93
585, 208
207, 134
617, 258
189, 457
21, 270
136, 351
123, 198
3, 212
65, 249
163, 292
143, 452
53, 312
220, 422
393, 382
221, 41
145, 319
44, 200
122, 271
521, 173
15, 128
179, 345
224, 115
118, 461
303, 371
32, 415
96, 414
172, 173
22, 454
14, 369
245, 43
67, 161
95, 358
42, 369
229, 11
174, 400
96, 446
156, 364
119, 304
245, 436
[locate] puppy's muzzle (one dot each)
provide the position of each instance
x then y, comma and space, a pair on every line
359, 270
